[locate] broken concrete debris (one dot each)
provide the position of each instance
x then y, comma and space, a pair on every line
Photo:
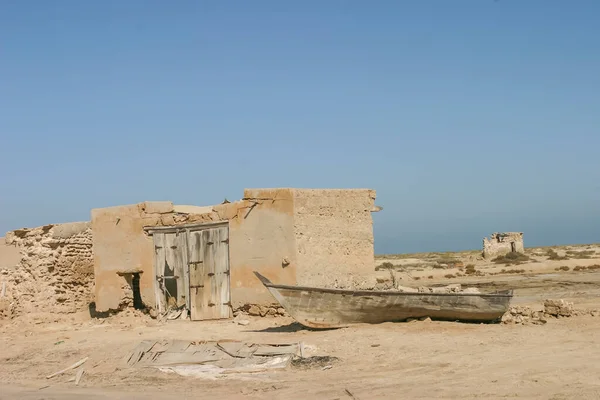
552, 309
211, 359
558, 308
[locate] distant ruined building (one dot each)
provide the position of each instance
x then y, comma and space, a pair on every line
499, 244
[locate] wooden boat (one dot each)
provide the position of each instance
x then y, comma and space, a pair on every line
335, 308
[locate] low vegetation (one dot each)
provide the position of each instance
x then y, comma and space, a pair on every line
588, 268
581, 255
512, 271
553, 255
514, 258
563, 268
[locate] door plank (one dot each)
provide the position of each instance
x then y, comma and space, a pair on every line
208, 241
185, 268
159, 267
222, 282
196, 271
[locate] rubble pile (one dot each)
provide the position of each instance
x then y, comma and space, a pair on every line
260, 310
523, 315
558, 308
552, 309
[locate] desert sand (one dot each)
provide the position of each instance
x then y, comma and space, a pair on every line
412, 360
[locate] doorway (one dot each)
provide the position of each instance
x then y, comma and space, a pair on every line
191, 264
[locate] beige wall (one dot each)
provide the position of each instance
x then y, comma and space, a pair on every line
121, 246
9, 255
260, 231
334, 237
261, 237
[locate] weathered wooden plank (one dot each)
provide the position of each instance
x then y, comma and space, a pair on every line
159, 267
208, 296
185, 268
178, 267
221, 256
195, 226
196, 272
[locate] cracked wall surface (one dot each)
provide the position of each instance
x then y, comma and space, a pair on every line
55, 271
334, 237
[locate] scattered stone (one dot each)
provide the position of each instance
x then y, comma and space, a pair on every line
243, 322
254, 310
523, 315
558, 308
552, 309
426, 319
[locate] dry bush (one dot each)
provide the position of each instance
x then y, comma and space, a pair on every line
514, 258
512, 271
581, 255
589, 268
553, 255
563, 268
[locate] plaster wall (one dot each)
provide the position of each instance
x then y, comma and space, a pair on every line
334, 237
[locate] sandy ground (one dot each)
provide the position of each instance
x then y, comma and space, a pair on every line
415, 360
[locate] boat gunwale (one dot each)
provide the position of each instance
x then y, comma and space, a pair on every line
268, 283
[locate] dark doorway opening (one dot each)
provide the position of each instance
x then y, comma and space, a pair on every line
138, 304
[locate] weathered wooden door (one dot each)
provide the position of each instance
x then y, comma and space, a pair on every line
170, 261
208, 260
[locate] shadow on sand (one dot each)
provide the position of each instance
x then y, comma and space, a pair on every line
293, 327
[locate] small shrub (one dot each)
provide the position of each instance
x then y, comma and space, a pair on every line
553, 255
470, 269
513, 258
430, 277
563, 268
589, 268
515, 271
581, 255
387, 265
416, 278
449, 276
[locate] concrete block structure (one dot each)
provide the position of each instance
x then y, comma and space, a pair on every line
499, 244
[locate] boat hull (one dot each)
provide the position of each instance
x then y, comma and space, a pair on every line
334, 308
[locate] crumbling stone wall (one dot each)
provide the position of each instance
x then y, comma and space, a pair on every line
334, 237
55, 273
499, 244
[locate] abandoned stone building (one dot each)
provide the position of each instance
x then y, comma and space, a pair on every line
160, 256
499, 244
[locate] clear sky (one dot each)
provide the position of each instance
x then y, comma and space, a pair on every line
467, 117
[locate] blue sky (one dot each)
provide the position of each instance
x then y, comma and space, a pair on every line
467, 117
